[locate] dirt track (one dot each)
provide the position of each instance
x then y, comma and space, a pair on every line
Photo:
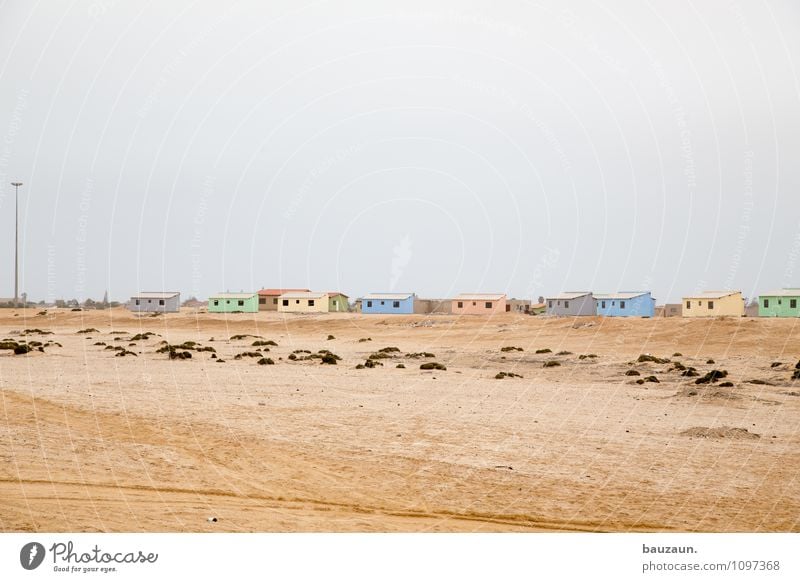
94, 442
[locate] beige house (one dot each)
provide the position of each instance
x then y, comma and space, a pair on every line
268, 298
714, 304
303, 302
518, 305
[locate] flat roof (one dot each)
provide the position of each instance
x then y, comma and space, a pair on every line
480, 296
570, 295
786, 292
232, 296
620, 295
711, 295
389, 296
304, 295
156, 294
281, 291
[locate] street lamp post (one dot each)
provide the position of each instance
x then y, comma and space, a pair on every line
16, 242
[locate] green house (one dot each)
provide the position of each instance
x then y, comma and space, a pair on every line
781, 303
233, 303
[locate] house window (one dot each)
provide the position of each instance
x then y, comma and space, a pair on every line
474, 303
700, 303
216, 302
241, 302
711, 305
488, 305
137, 302
311, 303
622, 305
285, 302
603, 304
566, 304
766, 302
369, 303
780, 302
460, 304
275, 301
688, 305
149, 300
227, 301
396, 304
297, 302
382, 303
161, 302
550, 304
793, 303
262, 300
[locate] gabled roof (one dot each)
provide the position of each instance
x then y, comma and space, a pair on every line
570, 295
786, 292
303, 295
711, 295
156, 295
280, 291
335, 293
620, 295
480, 296
388, 296
232, 295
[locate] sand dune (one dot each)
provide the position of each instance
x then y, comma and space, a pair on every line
94, 442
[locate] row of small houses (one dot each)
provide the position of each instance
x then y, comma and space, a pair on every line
780, 303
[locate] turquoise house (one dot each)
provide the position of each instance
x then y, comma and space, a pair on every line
780, 303
233, 303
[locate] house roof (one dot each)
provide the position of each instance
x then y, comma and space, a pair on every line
538, 305
303, 295
570, 295
335, 293
388, 296
481, 296
281, 291
156, 295
621, 295
782, 293
232, 296
711, 295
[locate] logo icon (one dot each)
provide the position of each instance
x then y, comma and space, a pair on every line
31, 555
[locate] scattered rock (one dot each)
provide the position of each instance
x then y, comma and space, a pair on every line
712, 376
544, 351
722, 432
432, 366
551, 364
511, 349
654, 359
266, 362
632, 373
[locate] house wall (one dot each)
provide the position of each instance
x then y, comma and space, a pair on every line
221, 305
386, 306
641, 306
583, 305
478, 307
773, 306
321, 305
730, 305
171, 305
338, 302
433, 306
270, 302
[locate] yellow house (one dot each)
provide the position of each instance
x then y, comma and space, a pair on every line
714, 304
303, 302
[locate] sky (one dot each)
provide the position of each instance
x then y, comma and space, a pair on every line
434, 147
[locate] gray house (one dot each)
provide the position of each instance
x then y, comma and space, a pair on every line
571, 303
157, 301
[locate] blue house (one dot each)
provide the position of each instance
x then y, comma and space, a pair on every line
625, 304
385, 303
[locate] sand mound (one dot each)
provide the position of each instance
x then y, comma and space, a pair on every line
709, 392
722, 432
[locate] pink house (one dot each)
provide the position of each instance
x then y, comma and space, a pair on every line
479, 303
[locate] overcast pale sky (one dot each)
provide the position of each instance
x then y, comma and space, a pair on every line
436, 147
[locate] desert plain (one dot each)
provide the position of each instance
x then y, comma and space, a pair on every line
93, 441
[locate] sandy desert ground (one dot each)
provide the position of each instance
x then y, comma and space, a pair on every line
90, 441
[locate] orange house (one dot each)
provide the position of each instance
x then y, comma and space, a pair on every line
479, 304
